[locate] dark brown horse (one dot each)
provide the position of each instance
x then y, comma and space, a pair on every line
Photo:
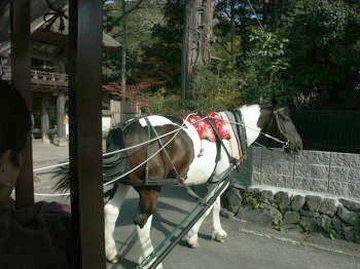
184, 152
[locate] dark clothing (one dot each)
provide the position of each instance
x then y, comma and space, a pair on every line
36, 237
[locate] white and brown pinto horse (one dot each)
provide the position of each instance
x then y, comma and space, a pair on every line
187, 158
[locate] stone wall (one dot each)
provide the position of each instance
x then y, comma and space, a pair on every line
312, 191
318, 171
284, 209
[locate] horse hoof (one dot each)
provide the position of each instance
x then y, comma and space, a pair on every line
192, 244
220, 237
114, 260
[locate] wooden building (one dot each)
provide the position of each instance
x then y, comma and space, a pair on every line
49, 66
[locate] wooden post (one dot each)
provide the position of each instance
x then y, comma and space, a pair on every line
45, 119
87, 204
60, 115
116, 114
20, 60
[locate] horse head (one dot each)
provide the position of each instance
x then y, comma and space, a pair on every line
288, 130
268, 114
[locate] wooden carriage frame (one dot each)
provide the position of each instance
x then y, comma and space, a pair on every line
84, 52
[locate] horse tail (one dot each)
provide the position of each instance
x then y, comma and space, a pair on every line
114, 165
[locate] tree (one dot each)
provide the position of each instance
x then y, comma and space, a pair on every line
198, 39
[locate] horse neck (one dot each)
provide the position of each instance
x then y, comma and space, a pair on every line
251, 115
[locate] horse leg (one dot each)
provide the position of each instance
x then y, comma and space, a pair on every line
145, 241
192, 239
218, 233
111, 212
147, 205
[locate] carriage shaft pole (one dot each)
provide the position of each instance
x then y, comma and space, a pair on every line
192, 222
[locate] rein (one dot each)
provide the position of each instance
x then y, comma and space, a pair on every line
174, 132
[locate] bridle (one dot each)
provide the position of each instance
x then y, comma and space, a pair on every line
285, 144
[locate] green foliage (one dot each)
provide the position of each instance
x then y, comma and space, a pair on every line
279, 225
265, 67
255, 200
323, 49
166, 104
330, 232
215, 87
140, 17
162, 57
306, 55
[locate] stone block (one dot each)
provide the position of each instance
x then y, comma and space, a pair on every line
291, 217
282, 199
351, 233
354, 175
311, 171
267, 196
277, 180
261, 215
256, 178
310, 184
255, 167
313, 203
345, 160
231, 200
256, 152
285, 181
313, 157
297, 202
245, 171
280, 168
348, 216
351, 205
328, 207
308, 224
338, 173
309, 214
351, 190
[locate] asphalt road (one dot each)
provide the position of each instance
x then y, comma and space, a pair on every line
249, 246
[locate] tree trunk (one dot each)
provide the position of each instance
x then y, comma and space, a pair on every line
207, 25
198, 38
123, 62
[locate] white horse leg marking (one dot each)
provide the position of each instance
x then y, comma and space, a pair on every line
192, 238
111, 212
218, 233
145, 241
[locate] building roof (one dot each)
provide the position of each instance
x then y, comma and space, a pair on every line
46, 31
